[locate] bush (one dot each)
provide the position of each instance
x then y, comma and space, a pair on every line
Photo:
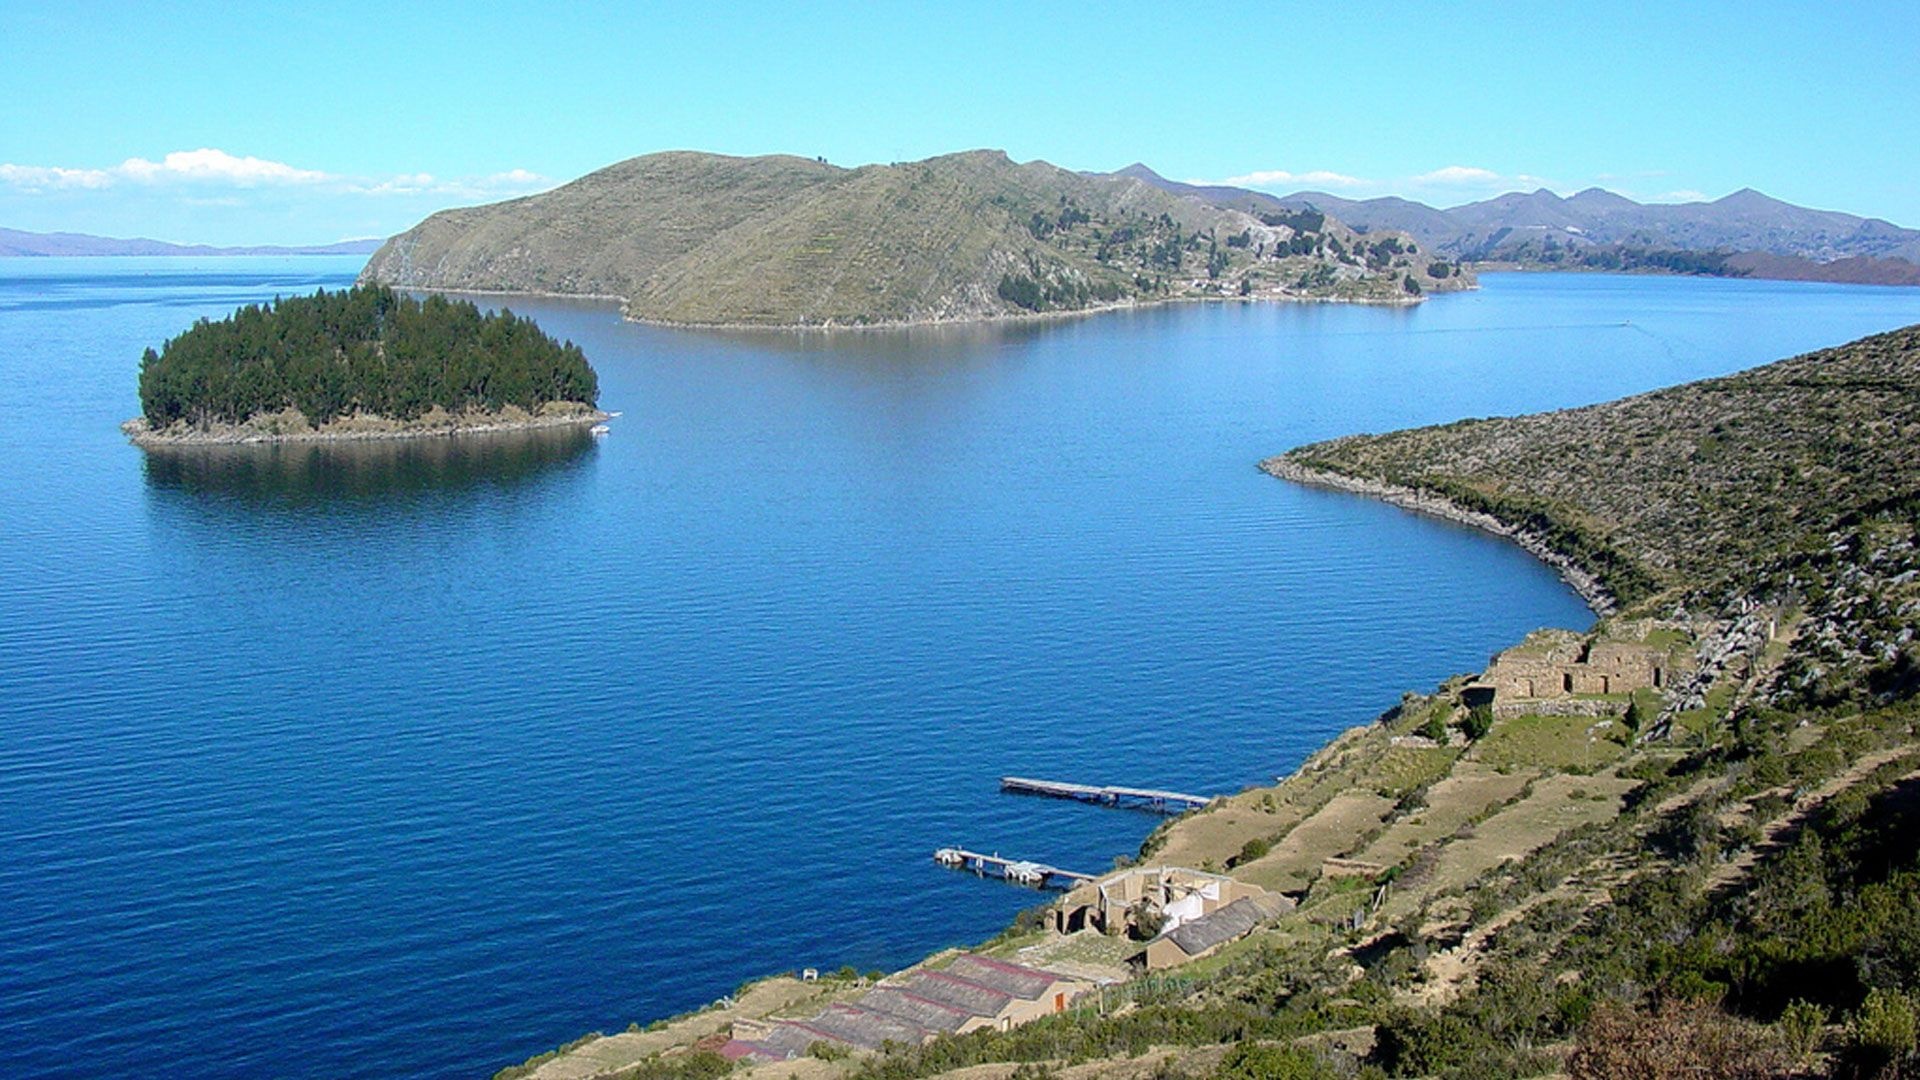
828, 1051
1479, 721
1680, 1039
1249, 851
1800, 1026
1881, 1036
1263, 1061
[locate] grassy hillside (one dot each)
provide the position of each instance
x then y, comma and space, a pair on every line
704, 239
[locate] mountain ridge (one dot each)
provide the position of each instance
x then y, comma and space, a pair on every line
1596, 227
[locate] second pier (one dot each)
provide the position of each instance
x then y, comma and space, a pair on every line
1173, 802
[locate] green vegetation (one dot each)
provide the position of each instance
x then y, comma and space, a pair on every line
365, 349
704, 239
1478, 722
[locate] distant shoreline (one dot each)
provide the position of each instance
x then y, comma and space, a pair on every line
1595, 595
355, 429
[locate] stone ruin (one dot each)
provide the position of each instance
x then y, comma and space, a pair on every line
1561, 673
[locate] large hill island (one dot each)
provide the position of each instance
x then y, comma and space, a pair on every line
361, 363
703, 239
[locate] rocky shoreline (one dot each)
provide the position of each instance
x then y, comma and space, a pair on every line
1596, 595
290, 427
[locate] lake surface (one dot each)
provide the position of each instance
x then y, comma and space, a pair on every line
419, 759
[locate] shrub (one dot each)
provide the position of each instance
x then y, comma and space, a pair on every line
1679, 1039
1881, 1036
1249, 851
1800, 1026
827, 1051
1264, 1061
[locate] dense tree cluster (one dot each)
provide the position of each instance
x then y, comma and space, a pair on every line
365, 349
1306, 221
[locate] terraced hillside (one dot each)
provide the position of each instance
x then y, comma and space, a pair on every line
704, 239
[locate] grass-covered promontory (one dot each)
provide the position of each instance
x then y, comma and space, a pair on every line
366, 360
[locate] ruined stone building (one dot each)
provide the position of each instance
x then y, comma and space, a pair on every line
1556, 664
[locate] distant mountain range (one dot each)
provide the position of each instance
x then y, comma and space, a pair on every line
14, 242
705, 239
1747, 234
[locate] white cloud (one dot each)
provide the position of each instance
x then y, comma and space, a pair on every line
516, 178
193, 166
404, 184
1457, 175
208, 167
1684, 195
43, 178
493, 186
1281, 177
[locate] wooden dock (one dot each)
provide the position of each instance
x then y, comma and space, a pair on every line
1018, 871
1168, 802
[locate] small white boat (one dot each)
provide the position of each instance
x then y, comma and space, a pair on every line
598, 429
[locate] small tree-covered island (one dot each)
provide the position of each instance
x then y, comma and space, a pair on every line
364, 362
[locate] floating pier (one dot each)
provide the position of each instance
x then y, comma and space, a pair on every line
1018, 871
1167, 802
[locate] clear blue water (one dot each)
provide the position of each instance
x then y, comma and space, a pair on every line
416, 760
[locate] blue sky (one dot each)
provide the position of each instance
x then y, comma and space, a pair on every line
314, 122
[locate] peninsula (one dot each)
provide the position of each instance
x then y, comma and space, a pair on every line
362, 363
707, 240
1677, 842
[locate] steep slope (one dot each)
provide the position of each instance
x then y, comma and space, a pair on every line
703, 239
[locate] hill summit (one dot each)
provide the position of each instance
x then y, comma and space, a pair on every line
705, 239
